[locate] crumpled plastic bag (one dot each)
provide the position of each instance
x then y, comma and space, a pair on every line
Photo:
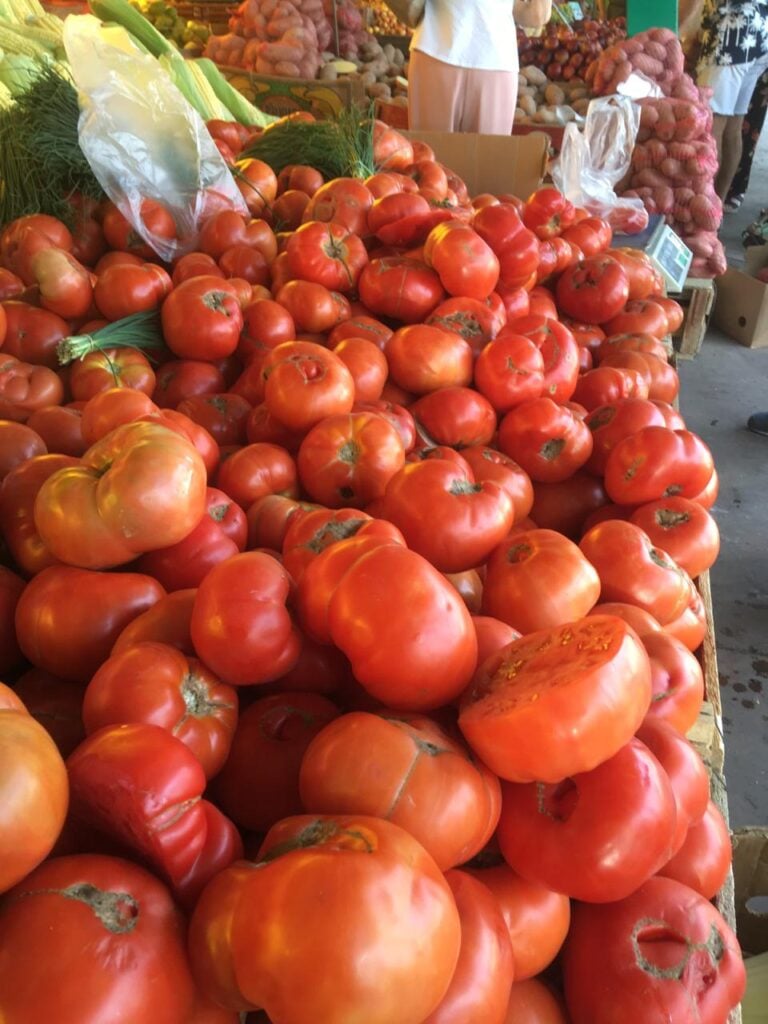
142, 138
594, 160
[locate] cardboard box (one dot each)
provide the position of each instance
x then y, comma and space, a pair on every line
281, 96
741, 309
492, 163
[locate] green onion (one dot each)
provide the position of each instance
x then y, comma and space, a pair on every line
139, 331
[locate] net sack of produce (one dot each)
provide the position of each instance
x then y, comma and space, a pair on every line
141, 137
593, 160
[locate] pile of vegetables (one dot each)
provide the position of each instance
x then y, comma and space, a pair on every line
540, 101
288, 37
656, 54
348, 615
189, 36
565, 51
383, 19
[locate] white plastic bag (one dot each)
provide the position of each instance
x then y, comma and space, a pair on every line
593, 161
142, 138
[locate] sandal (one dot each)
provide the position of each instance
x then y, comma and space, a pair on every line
732, 205
758, 423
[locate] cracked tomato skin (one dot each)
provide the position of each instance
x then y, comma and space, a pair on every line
87, 939
369, 927
663, 953
655, 463
558, 701
157, 684
409, 771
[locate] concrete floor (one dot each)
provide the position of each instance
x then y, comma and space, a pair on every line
720, 388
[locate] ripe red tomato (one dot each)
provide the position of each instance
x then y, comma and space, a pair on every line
268, 520
257, 184
124, 289
358, 866
17, 499
466, 264
401, 289
367, 364
223, 416
592, 235
33, 799
593, 290
639, 270
256, 470
32, 334
155, 683
60, 427
611, 423
546, 439
607, 385
348, 460
327, 254
481, 982
489, 464
110, 368
64, 284
477, 322
473, 517
524, 740
676, 679
655, 463
18, 443
578, 836
72, 638
633, 571
565, 506
531, 1002
559, 351
684, 529
641, 621
117, 912
240, 626
312, 307
308, 535
344, 201
202, 319
259, 784
423, 359
140, 488
56, 704
166, 622
704, 859
180, 378
361, 327
110, 409
662, 950
455, 416
537, 918
674, 311
25, 388
509, 371
492, 635
640, 316
419, 777
539, 580
690, 628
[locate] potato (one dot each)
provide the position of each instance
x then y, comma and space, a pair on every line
581, 106
554, 95
533, 75
527, 90
528, 104
368, 79
520, 114
328, 73
379, 91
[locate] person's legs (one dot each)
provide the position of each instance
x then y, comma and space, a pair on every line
489, 102
729, 152
751, 129
434, 94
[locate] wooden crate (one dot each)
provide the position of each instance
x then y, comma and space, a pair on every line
697, 299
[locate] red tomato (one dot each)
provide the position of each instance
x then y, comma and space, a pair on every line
344, 201
682, 528
424, 614
327, 254
691, 627
308, 535
559, 350
641, 621
539, 580
33, 800
565, 506
657, 462
419, 777
516, 302
541, 302
110, 368
72, 638
677, 682
257, 470
489, 464
268, 520
186, 563
121, 915
367, 364
593, 686
155, 683
606, 385
674, 311
455, 416
531, 1002
240, 626
423, 359
640, 316
32, 334
60, 427
224, 416
509, 371
257, 184
639, 270
481, 982
11, 286
591, 234
546, 439
312, 307
305, 383
400, 289
140, 488
110, 409
289, 208
578, 836
536, 918
259, 784
593, 290
633, 571
299, 176
25, 388
610, 424
64, 283
395, 893
123, 289
155, 220
547, 212
348, 460
477, 322
56, 704
466, 264
202, 319
166, 622
195, 264
492, 635
247, 264
704, 859
18, 443
181, 378
662, 950
361, 327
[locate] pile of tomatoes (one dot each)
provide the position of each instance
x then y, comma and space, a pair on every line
349, 634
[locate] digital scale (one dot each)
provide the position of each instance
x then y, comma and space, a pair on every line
666, 249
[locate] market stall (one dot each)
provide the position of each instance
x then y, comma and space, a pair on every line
357, 650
